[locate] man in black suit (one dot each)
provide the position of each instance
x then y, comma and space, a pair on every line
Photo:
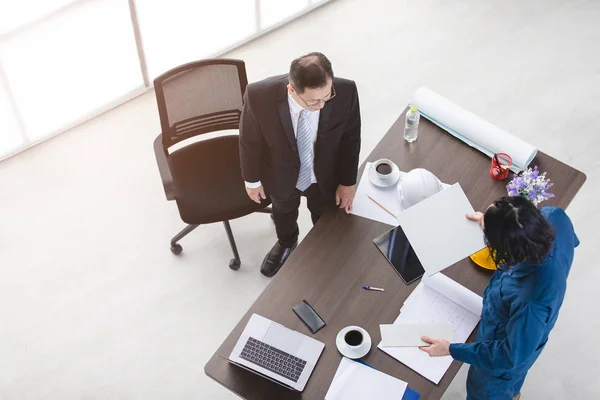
300, 136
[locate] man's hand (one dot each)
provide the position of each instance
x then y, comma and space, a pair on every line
256, 194
438, 348
344, 195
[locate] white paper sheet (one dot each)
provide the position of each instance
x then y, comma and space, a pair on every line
427, 306
473, 130
409, 335
355, 381
438, 230
455, 292
366, 208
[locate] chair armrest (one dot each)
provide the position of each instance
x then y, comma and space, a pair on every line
163, 168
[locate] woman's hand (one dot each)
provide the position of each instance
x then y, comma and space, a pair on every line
477, 217
438, 348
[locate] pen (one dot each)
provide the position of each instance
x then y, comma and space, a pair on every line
373, 288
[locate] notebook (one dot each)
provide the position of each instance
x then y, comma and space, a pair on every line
436, 300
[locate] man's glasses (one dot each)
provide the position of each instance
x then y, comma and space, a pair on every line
314, 103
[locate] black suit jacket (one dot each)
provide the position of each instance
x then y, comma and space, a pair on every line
268, 150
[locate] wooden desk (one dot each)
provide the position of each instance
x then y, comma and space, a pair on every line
338, 256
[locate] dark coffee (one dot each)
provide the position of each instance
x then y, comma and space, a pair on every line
384, 169
353, 338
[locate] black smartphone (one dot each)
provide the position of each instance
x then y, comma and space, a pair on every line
309, 316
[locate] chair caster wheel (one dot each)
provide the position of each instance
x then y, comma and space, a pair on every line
234, 264
176, 249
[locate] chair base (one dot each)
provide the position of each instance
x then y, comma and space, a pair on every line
177, 249
235, 262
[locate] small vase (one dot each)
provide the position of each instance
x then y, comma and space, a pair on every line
500, 168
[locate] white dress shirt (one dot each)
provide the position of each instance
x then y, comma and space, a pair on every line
313, 123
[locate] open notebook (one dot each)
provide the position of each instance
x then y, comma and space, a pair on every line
436, 300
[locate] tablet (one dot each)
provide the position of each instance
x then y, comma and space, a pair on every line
396, 248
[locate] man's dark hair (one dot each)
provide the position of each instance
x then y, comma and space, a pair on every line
516, 231
310, 71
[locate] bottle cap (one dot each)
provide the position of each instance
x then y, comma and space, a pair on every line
413, 109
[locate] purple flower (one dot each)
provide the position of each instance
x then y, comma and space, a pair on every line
530, 184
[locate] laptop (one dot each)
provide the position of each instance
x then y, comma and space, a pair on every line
277, 353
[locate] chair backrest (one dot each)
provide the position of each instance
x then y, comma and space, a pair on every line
200, 97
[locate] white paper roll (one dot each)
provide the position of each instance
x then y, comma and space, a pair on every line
473, 130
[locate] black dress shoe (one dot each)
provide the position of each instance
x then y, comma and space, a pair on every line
275, 259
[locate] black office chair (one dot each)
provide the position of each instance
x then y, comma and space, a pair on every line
204, 178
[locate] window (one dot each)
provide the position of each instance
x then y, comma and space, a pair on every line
10, 136
16, 14
179, 31
65, 61
72, 64
274, 11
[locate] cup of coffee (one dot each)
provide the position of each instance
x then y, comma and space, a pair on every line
353, 342
384, 169
354, 338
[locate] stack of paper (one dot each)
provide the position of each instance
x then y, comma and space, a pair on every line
438, 230
355, 381
388, 197
436, 300
365, 207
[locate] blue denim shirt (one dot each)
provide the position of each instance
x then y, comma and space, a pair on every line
521, 305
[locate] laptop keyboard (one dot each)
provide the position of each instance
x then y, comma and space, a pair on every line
273, 359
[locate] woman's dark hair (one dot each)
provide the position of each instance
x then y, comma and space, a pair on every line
310, 71
516, 231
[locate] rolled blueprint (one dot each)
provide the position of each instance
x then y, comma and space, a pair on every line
473, 130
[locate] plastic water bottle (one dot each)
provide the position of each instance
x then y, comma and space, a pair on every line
411, 126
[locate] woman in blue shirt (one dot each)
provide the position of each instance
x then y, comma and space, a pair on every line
534, 251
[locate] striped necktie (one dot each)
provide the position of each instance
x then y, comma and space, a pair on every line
305, 151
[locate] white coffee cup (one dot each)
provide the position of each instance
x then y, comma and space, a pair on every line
384, 169
354, 338
353, 342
